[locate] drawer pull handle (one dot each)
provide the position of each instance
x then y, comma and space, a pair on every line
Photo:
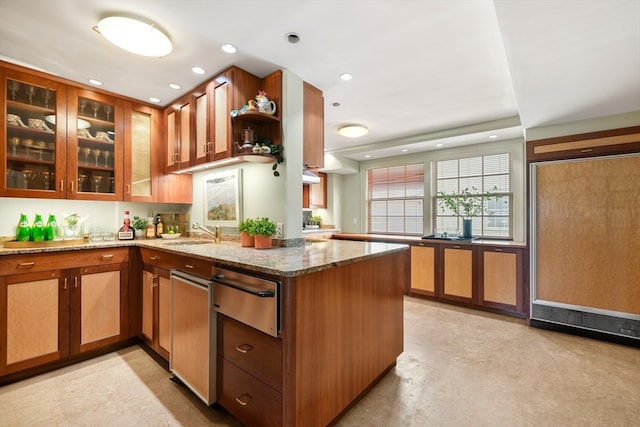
244, 348
154, 257
191, 266
498, 250
26, 264
108, 256
244, 399
586, 150
456, 247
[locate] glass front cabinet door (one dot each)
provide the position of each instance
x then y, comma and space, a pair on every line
95, 146
34, 141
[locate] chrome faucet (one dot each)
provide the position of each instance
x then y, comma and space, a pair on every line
215, 234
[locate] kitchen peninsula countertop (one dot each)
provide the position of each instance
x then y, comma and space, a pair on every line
284, 261
413, 239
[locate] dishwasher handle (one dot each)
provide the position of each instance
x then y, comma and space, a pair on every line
262, 293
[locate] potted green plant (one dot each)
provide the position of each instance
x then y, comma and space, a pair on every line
140, 225
245, 228
314, 222
468, 203
263, 231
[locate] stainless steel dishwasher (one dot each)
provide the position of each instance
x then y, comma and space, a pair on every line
192, 357
247, 298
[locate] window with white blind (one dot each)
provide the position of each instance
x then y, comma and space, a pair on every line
482, 174
396, 200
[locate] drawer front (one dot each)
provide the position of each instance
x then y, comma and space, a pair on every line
169, 261
251, 401
31, 263
255, 352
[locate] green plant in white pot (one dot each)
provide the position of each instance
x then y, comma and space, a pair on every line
468, 203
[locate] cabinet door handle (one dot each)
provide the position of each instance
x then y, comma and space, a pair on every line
65, 284
244, 348
26, 264
75, 282
107, 256
128, 189
191, 266
71, 186
61, 185
244, 399
152, 280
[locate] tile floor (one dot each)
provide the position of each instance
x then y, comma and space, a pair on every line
460, 368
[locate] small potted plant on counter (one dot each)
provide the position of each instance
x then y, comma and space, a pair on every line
314, 222
140, 225
247, 236
263, 231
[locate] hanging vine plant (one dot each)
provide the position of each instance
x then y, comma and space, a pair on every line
276, 152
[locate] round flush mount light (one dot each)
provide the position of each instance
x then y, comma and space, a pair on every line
353, 131
135, 36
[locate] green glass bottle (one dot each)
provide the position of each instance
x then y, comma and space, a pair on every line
37, 229
23, 232
51, 230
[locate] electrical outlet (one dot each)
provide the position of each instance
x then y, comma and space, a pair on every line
279, 230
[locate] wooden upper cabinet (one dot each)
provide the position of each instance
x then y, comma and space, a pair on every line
614, 141
34, 135
141, 163
313, 154
179, 131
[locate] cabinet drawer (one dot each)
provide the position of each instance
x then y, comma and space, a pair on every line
30, 263
168, 261
253, 351
251, 401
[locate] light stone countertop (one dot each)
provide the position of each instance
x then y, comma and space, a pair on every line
283, 261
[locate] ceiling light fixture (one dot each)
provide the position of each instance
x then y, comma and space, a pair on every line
95, 82
135, 36
346, 76
154, 99
494, 136
353, 131
198, 70
175, 86
229, 48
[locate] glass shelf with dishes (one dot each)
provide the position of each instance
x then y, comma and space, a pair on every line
30, 138
95, 146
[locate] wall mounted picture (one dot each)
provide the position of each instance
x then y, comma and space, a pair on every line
223, 198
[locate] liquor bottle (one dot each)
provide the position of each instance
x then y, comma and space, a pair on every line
51, 230
126, 232
159, 226
37, 229
151, 229
23, 232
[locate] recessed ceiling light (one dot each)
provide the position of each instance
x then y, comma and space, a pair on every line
175, 86
366, 156
154, 99
346, 76
198, 70
404, 150
335, 104
135, 36
229, 48
494, 136
439, 145
292, 38
353, 131
95, 82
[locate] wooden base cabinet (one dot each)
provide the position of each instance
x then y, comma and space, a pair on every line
250, 373
155, 310
472, 274
52, 309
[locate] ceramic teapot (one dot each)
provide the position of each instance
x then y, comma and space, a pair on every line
264, 105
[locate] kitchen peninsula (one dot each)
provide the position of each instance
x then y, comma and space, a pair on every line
341, 311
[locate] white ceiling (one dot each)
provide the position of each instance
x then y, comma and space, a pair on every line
426, 72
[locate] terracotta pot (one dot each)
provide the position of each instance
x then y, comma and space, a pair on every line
263, 242
246, 240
